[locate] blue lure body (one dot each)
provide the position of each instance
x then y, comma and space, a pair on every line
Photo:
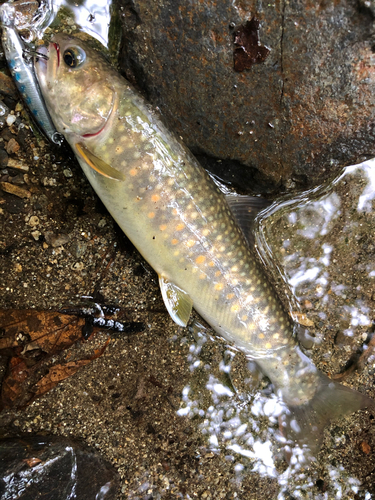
21, 66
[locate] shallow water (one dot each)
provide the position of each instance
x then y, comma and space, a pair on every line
208, 427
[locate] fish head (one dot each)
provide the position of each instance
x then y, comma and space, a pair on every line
75, 81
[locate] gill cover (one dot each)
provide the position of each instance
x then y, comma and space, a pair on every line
90, 111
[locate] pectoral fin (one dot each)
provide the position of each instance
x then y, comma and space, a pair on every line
178, 302
98, 164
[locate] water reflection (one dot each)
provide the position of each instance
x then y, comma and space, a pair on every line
322, 241
243, 426
90, 16
93, 16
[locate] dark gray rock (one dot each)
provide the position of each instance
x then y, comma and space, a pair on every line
305, 111
54, 468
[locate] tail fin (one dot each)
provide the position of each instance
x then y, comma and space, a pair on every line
305, 424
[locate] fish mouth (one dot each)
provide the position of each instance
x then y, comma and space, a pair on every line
57, 48
95, 134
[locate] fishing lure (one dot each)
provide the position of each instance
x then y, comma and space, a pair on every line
21, 66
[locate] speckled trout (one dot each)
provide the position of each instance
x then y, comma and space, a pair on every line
184, 227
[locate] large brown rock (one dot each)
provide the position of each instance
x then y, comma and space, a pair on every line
298, 116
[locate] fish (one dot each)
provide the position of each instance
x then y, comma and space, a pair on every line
186, 228
21, 65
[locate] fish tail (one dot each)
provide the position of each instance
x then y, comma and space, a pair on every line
305, 424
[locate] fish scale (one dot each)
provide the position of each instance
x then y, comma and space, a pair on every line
185, 228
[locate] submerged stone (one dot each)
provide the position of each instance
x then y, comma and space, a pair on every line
54, 468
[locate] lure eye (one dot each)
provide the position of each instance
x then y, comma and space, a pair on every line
74, 57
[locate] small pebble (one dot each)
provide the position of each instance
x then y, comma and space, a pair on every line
49, 181
16, 190
67, 172
11, 119
78, 266
17, 164
56, 240
12, 146
33, 221
36, 235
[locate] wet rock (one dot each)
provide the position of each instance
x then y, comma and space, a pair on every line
54, 468
6, 134
301, 114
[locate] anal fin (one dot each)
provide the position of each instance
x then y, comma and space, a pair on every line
177, 302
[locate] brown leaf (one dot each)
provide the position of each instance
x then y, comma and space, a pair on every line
28, 330
22, 384
14, 390
57, 374
32, 462
31, 338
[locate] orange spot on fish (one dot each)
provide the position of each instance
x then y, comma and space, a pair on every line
202, 276
190, 243
155, 197
200, 259
244, 317
268, 346
219, 286
211, 264
218, 273
230, 296
261, 336
180, 227
133, 172
235, 308
174, 241
151, 215
163, 227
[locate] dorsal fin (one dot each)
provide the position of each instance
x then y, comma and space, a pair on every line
98, 164
245, 209
177, 302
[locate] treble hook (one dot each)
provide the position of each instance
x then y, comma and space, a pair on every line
30, 53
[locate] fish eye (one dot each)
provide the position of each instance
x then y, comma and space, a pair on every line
74, 57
